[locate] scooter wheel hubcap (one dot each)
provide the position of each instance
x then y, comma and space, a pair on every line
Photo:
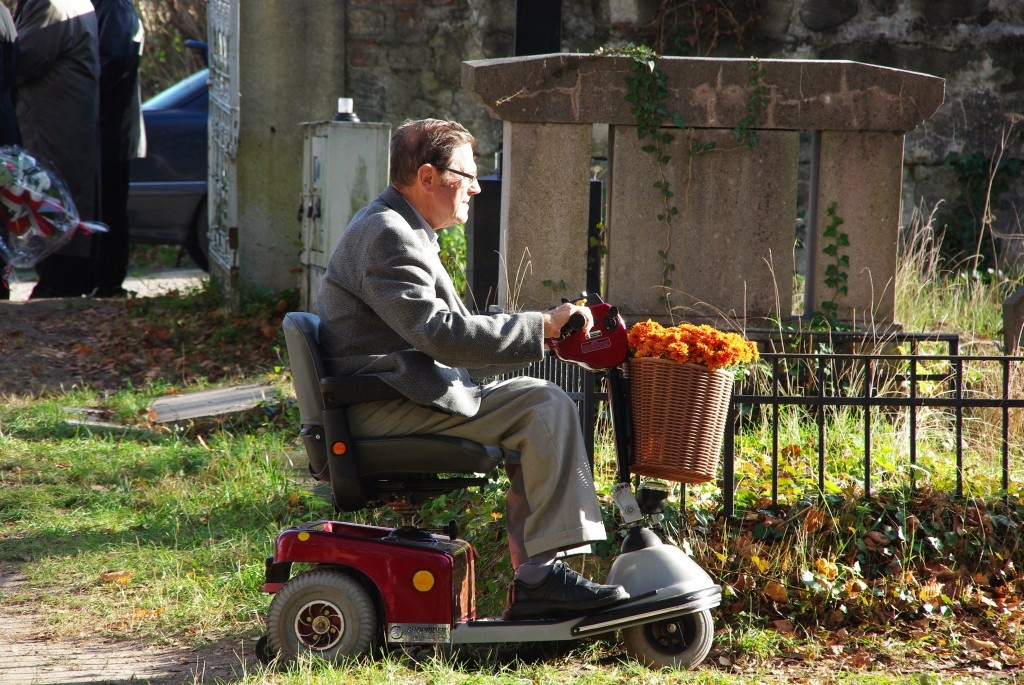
319, 625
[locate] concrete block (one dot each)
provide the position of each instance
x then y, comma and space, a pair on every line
862, 174
545, 210
707, 92
731, 245
1013, 321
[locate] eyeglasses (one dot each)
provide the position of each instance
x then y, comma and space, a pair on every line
463, 174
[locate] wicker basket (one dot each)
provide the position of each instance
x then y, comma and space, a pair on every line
679, 413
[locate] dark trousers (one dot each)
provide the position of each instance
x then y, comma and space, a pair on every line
113, 247
64, 274
5, 291
95, 264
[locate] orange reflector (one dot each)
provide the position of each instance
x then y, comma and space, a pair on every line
303, 536
339, 448
423, 581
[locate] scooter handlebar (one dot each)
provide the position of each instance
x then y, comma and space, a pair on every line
575, 324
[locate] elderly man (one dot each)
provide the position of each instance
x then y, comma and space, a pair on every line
388, 308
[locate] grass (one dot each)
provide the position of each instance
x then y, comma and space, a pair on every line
931, 296
160, 534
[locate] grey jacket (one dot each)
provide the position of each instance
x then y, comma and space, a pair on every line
388, 308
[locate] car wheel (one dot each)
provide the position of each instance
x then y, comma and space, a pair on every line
197, 244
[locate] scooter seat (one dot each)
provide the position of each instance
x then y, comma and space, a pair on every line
386, 458
364, 471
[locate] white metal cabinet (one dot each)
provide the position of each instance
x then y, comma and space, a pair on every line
345, 166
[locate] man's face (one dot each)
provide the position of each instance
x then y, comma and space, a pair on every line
454, 192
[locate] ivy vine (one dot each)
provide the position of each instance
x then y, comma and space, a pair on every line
757, 102
647, 92
836, 271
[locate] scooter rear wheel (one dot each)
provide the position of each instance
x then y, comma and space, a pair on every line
326, 614
680, 642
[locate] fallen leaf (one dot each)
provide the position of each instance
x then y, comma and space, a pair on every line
826, 569
980, 645
776, 592
814, 519
761, 564
930, 592
120, 577
784, 626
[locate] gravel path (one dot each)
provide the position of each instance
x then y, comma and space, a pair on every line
146, 285
31, 654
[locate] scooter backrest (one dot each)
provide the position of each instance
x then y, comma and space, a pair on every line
302, 337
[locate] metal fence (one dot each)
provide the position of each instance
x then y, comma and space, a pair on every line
958, 386
903, 381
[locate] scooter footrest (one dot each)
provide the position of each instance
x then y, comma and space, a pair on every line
649, 607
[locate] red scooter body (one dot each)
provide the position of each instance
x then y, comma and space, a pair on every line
420, 579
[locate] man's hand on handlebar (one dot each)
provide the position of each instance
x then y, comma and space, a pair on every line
565, 319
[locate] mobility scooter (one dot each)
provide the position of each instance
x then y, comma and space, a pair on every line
407, 587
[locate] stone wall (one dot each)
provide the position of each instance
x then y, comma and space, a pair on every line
403, 60
977, 46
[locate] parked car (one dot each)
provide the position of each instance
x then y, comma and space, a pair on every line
167, 194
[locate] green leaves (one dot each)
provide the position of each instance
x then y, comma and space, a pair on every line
836, 276
757, 103
453, 255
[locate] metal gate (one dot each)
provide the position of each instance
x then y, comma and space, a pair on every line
223, 139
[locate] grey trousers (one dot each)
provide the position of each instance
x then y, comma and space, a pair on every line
551, 504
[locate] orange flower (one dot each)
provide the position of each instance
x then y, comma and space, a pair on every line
689, 343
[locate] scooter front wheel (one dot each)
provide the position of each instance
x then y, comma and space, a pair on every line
679, 642
323, 613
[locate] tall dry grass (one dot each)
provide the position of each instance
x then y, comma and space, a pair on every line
934, 296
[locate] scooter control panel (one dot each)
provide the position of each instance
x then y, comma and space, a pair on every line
602, 347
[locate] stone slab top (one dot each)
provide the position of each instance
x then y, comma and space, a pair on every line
575, 88
210, 403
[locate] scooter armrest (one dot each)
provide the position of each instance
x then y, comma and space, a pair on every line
344, 391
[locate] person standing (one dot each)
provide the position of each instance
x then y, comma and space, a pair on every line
10, 134
122, 136
57, 99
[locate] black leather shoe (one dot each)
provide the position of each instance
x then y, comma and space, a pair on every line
562, 593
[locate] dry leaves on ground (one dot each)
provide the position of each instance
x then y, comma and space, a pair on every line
47, 345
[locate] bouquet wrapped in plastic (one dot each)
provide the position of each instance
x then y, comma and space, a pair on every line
36, 209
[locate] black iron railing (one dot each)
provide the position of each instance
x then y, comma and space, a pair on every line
874, 383
868, 382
